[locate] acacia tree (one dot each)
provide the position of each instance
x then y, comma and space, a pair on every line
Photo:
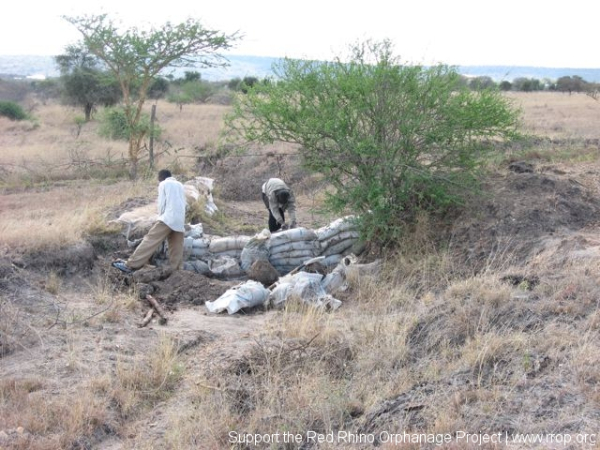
84, 82
135, 57
393, 139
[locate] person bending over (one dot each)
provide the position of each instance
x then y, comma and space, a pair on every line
278, 199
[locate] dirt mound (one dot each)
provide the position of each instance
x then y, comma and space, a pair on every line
241, 178
189, 287
128, 205
77, 258
517, 210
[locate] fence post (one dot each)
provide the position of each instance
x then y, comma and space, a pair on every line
151, 148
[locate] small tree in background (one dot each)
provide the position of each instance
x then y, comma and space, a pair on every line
136, 57
483, 82
12, 111
525, 84
84, 82
571, 84
158, 88
393, 139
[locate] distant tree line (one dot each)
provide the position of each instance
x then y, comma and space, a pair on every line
568, 84
84, 83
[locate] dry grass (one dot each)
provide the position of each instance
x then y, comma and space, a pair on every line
62, 216
93, 408
558, 115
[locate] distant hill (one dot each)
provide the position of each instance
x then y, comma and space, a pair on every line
259, 66
31, 66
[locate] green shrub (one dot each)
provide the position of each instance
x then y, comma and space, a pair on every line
393, 139
12, 110
191, 92
113, 125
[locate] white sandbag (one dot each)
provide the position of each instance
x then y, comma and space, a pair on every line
192, 194
286, 286
201, 243
199, 252
247, 295
341, 236
218, 245
287, 247
197, 266
336, 279
204, 187
339, 247
255, 250
291, 262
311, 253
194, 231
188, 244
232, 253
293, 235
138, 221
203, 184
309, 288
331, 260
210, 206
225, 267
337, 226
305, 286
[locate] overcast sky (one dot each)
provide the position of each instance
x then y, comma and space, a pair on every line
458, 32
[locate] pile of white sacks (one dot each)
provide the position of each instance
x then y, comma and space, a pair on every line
285, 250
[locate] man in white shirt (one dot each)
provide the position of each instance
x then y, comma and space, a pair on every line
279, 198
170, 226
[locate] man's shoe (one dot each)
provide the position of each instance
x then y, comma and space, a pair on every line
122, 266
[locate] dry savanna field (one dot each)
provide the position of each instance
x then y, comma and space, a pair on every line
480, 332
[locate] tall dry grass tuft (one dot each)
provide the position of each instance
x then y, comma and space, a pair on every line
64, 421
147, 379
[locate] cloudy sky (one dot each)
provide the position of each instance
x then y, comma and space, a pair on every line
459, 32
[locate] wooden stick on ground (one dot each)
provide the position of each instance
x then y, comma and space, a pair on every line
147, 318
158, 308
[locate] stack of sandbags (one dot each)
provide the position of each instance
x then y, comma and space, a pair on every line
291, 248
285, 250
195, 253
228, 246
338, 239
217, 255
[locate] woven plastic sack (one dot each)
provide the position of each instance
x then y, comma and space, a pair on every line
194, 231
339, 247
225, 267
336, 227
285, 248
218, 245
255, 250
247, 295
293, 235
